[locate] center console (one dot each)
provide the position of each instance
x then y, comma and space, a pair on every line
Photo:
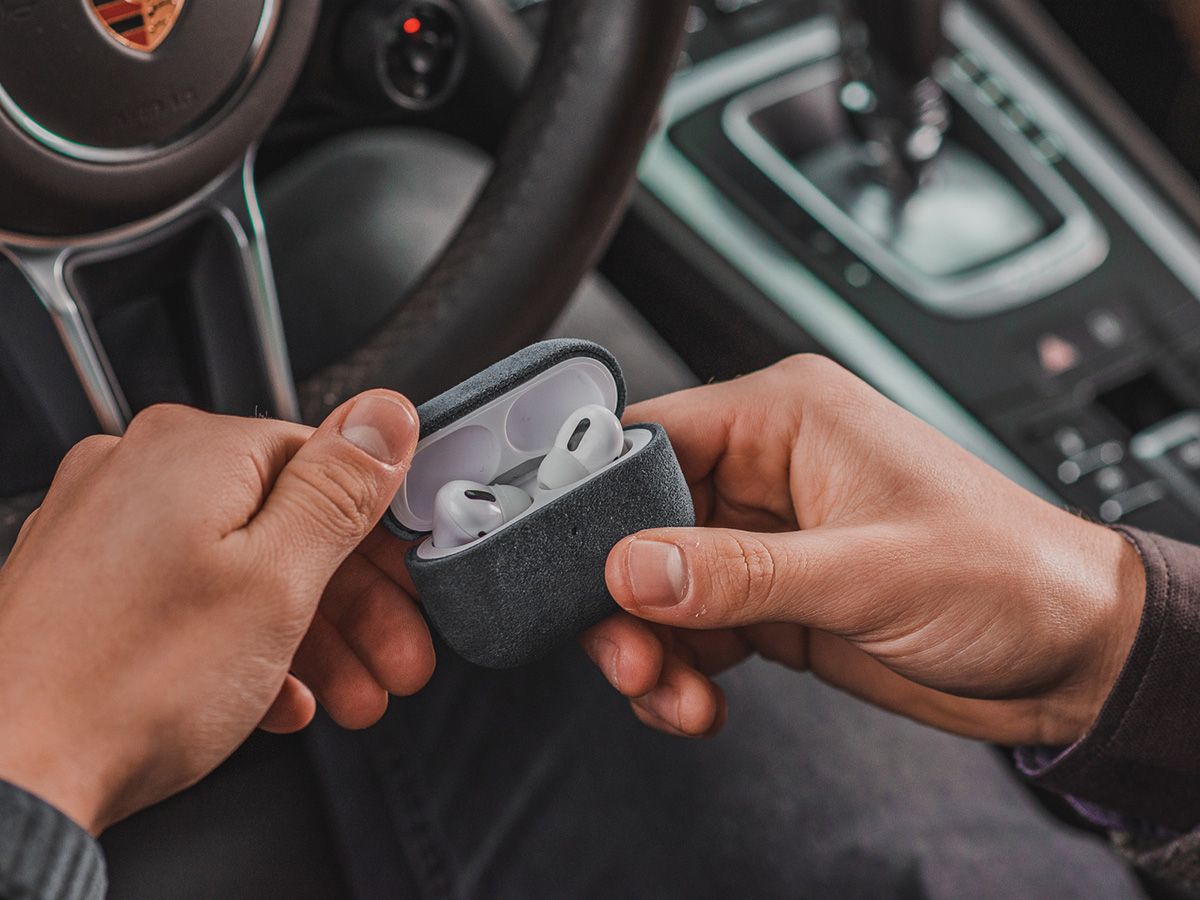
1033, 294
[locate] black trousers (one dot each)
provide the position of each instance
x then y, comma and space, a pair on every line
540, 783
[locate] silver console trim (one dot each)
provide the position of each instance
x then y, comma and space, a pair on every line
1108, 173
854, 341
1074, 249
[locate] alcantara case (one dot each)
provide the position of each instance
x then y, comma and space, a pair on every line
513, 595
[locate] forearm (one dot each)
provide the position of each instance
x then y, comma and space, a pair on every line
43, 854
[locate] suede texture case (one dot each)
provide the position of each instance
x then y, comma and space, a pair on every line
516, 594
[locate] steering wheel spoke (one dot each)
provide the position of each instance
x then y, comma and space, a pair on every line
179, 308
43, 268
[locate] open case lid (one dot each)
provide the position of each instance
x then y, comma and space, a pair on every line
499, 424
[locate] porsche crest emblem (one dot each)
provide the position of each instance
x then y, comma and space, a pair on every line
140, 24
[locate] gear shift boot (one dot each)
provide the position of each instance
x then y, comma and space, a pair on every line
963, 215
990, 226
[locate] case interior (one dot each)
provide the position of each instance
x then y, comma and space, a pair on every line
504, 441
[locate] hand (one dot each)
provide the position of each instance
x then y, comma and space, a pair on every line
844, 536
152, 607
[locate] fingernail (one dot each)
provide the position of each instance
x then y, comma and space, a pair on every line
381, 426
656, 573
663, 701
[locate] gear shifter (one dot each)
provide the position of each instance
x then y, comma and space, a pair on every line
897, 109
899, 154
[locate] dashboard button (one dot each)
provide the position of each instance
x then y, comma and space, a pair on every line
1069, 441
1111, 480
1115, 508
1107, 328
410, 53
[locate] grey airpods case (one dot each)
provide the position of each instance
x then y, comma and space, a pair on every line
513, 595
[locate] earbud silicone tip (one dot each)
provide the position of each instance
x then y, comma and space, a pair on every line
559, 469
448, 533
465, 511
513, 501
589, 440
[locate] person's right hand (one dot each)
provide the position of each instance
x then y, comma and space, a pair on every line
154, 605
844, 536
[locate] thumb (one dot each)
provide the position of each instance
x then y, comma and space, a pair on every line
336, 487
721, 578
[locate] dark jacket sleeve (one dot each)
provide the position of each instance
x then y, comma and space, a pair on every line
1141, 759
43, 854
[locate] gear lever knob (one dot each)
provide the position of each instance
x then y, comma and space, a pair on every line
889, 48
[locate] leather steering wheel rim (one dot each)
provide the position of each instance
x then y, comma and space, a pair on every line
562, 178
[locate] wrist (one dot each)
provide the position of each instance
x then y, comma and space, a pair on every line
49, 777
1115, 594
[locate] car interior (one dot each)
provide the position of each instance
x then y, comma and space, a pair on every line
987, 209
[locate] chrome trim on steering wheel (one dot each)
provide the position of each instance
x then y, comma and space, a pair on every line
47, 266
114, 155
260, 281
45, 270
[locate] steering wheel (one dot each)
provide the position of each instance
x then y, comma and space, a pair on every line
127, 136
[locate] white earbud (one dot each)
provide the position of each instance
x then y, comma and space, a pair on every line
465, 511
588, 441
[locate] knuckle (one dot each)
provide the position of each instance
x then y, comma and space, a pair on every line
158, 418
83, 460
87, 450
750, 575
833, 391
341, 496
813, 367
820, 376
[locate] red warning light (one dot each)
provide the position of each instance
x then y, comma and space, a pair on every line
412, 26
